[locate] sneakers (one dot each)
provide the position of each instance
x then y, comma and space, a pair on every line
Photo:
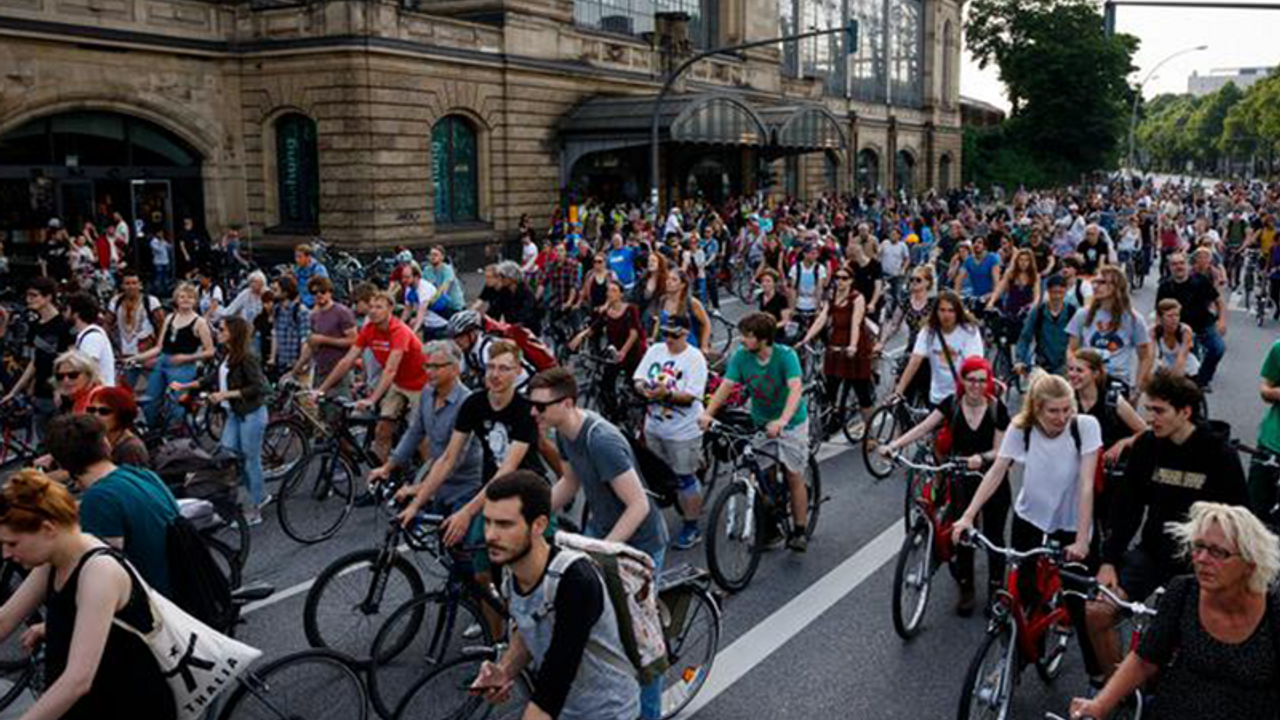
689, 537
799, 540
253, 516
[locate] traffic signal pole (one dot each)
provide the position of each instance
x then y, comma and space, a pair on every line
851, 30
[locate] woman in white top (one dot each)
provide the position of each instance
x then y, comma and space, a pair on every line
248, 302
950, 336
1174, 340
1058, 451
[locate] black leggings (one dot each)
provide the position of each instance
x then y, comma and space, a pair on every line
995, 514
1026, 536
838, 393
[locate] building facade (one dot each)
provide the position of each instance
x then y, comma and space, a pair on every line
1213, 81
375, 123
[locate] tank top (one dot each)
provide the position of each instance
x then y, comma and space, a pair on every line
181, 340
128, 682
1017, 298
1169, 356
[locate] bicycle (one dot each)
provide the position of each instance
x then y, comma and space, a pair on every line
313, 684
691, 624
932, 507
295, 419
1017, 635
318, 497
889, 421
1270, 462
351, 596
753, 510
1139, 614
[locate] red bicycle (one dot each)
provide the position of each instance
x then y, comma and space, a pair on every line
1020, 633
931, 509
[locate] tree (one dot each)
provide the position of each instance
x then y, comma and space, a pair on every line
1066, 78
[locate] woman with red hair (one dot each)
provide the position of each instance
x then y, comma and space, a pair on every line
972, 423
116, 409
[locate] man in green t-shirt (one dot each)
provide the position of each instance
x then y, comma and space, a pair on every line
1262, 479
772, 376
129, 508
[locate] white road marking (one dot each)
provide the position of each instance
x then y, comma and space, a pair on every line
761, 641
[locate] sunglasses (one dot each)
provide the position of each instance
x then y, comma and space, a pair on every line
100, 411
438, 365
541, 406
673, 332
918, 280
843, 277
67, 375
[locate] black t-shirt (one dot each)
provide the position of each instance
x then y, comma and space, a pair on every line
774, 306
57, 262
1092, 255
516, 306
967, 440
1042, 254
497, 429
865, 278
1197, 296
48, 340
1164, 479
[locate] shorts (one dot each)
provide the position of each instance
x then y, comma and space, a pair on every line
1141, 573
682, 456
793, 447
397, 401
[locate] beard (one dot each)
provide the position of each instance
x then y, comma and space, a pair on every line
512, 555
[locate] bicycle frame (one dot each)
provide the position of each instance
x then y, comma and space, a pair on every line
1028, 625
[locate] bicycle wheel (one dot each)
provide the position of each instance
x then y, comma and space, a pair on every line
445, 694
734, 543
419, 636
813, 488
285, 444
353, 596
212, 421
691, 624
881, 430
312, 684
316, 500
232, 538
913, 579
988, 684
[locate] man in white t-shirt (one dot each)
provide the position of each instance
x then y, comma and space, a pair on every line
91, 339
808, 281
895, 259
418, 292
672, 376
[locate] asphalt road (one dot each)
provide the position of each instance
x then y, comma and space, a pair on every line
812, 635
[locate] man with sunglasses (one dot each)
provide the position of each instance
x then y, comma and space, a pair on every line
47, 339
333, 332
1170, 467
500, 421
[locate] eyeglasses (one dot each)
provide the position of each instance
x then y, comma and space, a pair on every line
540, 406
1215, 553
976, 380
100, 411
439, 365
74, 374
843, 277
496, 368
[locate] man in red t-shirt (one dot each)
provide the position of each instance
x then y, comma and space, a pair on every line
399, 351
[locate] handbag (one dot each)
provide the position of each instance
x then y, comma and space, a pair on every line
197, 662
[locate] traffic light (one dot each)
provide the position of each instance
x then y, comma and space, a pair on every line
851, 37
1109, 18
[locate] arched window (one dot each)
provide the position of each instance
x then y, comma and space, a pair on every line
455, 175
948, 64
297, 173
904, 172
868, 177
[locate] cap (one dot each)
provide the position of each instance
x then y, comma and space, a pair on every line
675, 323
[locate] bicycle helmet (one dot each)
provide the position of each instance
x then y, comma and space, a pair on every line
465, 321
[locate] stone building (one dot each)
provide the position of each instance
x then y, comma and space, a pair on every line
380, 122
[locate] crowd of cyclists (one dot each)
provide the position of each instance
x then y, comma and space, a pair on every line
1007, 322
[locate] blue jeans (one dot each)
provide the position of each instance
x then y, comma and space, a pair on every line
1214, 348
158, 383
243, 434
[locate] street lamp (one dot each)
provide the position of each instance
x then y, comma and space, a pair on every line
1133, 116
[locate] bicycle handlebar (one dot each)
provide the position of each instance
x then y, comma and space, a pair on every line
950, 466
973, 537
1093, 588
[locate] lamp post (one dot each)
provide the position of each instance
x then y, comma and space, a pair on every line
1133, 115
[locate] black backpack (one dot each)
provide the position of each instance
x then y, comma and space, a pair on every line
197, 583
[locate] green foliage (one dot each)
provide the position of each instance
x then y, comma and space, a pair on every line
1066, 81
1177, 129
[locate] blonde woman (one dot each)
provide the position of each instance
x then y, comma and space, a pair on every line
1110, 325
1220, 623
75, 377
185, 340
1058, 452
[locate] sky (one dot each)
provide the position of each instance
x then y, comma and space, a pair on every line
1236, 38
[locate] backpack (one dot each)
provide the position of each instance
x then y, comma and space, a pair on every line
191, 471
630, 582
535, 352
197, 583
658, 476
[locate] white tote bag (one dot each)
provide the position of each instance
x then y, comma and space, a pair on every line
198, 662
